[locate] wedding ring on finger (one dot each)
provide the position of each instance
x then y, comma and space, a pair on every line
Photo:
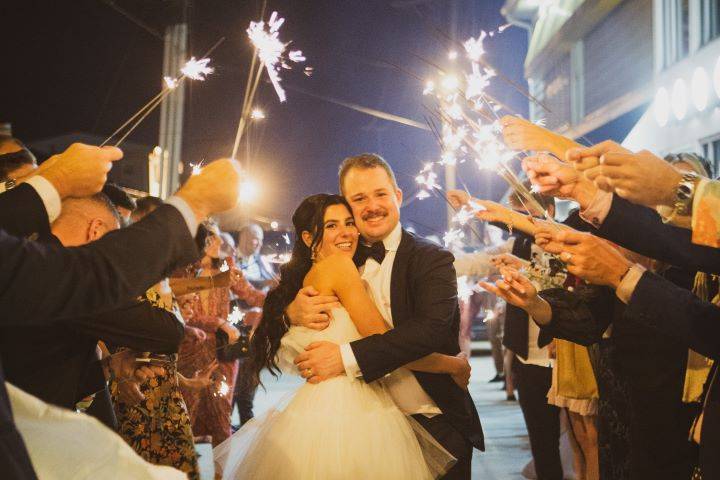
308, 372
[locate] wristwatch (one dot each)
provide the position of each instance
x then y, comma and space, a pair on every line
685, 192
7, 184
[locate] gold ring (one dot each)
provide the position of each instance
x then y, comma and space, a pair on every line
309, 372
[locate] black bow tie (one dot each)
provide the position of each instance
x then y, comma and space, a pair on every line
375, 251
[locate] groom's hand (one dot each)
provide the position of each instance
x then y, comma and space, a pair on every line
321, 360
310, 309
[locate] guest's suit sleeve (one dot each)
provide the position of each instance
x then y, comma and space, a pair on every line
577, 318
432, 329
642, 230
678, 313
40, 282
140, 326
22, 212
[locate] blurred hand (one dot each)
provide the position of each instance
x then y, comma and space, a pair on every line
203, 378
129, 373
507, 260
639, 177
588, 257
129, 392
196, 335
458, 198
461, 376
214, 190
79, 171
514, 288
232, 332
310, 309
584, 158
520, 134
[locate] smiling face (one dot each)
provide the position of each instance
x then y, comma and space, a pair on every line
375, 201
340, 235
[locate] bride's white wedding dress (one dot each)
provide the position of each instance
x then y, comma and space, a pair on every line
341, 428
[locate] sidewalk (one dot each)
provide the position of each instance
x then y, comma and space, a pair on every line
507, 450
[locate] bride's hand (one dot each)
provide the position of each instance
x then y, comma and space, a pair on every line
461, 376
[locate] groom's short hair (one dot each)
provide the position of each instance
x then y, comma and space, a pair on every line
364, 161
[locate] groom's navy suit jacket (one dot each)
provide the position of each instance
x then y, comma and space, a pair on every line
426, 319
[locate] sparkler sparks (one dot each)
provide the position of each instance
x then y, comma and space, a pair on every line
466, 288
236, 316
257, 114
196, 168
453, 238
271, 50
170, 82
197, 69
223, 389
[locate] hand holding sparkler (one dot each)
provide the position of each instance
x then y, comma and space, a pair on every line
505, 260
517, 290
588, 257
551, 176
79, 171
213, 190
520, 134
488, 211
585, 158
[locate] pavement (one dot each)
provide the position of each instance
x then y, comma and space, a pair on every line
507, 449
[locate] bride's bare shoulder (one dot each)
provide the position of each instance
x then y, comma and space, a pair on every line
330, 270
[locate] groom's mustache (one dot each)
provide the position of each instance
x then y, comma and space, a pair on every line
374, 214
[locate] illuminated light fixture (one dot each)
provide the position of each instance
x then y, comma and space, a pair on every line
248, 190
662, 106
700, 89
679, 99
274, 225
716, 77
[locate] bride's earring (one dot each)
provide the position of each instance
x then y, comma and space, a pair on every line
313, 256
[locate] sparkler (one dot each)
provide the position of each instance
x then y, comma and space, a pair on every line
193, 69
470, 128
271, 54
236, 316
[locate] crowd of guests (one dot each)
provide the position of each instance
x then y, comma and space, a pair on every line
158, 359
137, 311
611, 313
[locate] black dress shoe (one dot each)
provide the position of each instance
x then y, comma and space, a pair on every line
511, 398
497, 378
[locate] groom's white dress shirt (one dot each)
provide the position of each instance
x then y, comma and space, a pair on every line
407, 393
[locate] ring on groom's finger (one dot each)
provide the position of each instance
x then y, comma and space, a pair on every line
308, 372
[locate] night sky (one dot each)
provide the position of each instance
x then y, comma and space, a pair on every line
82, 66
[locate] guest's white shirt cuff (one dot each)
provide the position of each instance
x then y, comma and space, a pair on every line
352, 369
48, 194
629, 282
186, 212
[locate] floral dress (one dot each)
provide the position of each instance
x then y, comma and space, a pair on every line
158, 428
210, 407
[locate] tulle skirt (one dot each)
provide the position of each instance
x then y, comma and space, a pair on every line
338, 429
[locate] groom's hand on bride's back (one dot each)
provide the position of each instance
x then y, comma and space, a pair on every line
310, 309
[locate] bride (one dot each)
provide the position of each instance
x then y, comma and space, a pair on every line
342, 428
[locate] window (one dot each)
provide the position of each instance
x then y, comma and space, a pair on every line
709, 20
675, 31
711, 151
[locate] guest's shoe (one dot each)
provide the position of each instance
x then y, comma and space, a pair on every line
497, 378
511, 397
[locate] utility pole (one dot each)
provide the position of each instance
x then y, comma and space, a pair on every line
171, 111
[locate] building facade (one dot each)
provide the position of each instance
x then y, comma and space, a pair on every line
645, 72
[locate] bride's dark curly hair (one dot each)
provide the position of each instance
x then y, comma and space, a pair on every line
308, 217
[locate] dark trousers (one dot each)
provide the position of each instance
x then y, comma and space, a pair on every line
542, 420
453, 441
244, 394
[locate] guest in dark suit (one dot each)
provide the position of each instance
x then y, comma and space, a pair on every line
95, 277
414, 285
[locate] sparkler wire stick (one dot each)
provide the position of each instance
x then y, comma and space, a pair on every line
154, 102
250, 90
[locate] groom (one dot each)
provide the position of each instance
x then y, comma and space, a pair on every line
413, 284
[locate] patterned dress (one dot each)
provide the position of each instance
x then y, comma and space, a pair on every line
158, 428
209, 407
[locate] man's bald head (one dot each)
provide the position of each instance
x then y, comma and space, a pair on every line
84, 220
